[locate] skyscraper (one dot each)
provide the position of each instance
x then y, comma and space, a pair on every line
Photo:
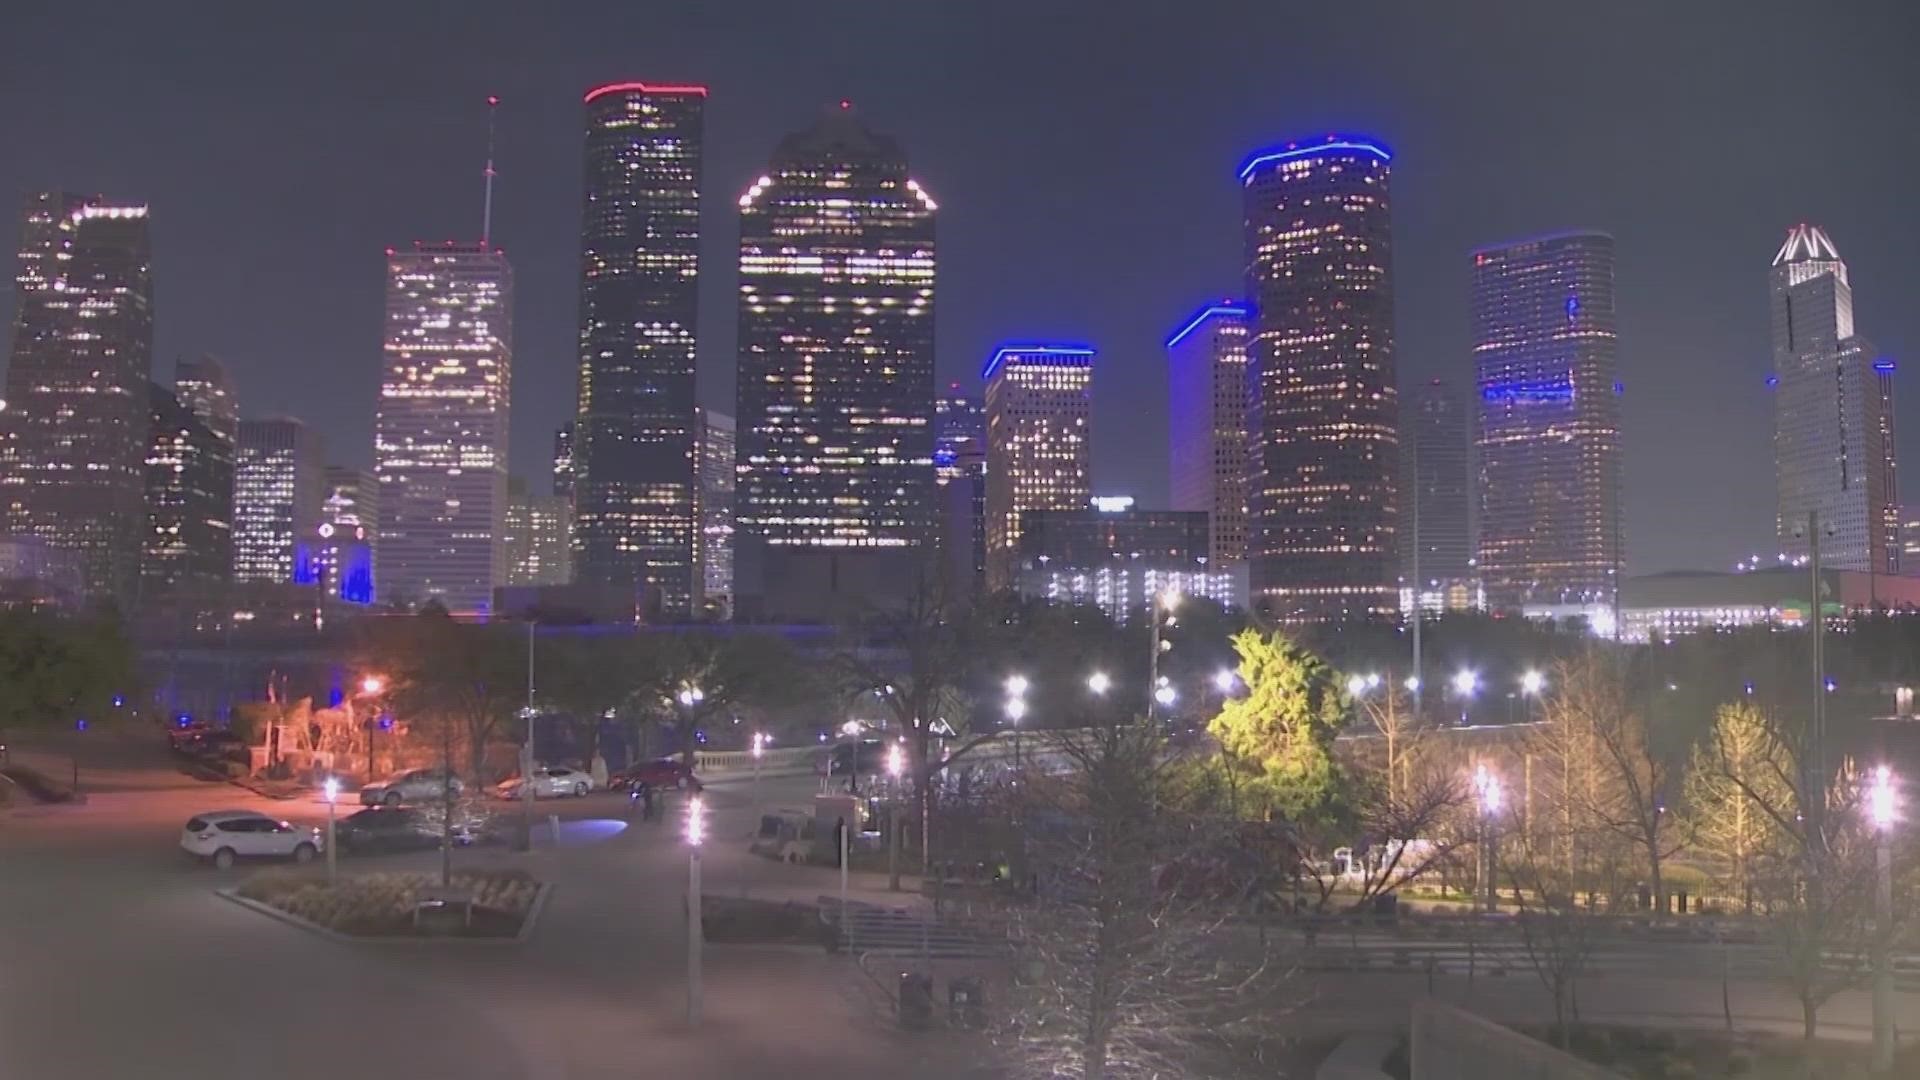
189, 499
206, 389
960, 479
1549, 432
440, 433
836, 345
1439, 510
1207, 423
632, 442
336, 553
1324, 411
959, 426
539, 537
277, 476
563, 460
717, 451
1039, 431
1832, 413
75, 431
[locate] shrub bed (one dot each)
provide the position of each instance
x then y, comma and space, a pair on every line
382, 904
737, 921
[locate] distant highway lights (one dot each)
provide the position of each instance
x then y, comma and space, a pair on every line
331, 789
696, 836
1882, 814
1487, 790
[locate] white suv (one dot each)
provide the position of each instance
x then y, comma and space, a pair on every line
226, 835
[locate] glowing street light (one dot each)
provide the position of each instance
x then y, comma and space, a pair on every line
331, 789
1225, 679
1165, 694
691, 696
1016, 710
1466, 682
1099, 683
1532, 683
1486, 785
1016, 685
1356, 686
696, 836
896, 768
1412, 683
372, 684
1883, 813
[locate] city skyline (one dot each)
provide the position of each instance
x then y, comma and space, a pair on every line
1683, 292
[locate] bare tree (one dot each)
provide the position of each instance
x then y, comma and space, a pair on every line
1557, 936
1131, 971
1403, 835
1637, 781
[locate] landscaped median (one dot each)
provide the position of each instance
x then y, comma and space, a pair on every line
477, 905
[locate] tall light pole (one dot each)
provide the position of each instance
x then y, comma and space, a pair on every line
696, 835
896, 767
371, 686
526, 750
1016, 710
1169, 600
332, 790
1487, 786
1882, 811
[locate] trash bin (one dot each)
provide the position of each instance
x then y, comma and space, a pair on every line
967, 1003
916, 1001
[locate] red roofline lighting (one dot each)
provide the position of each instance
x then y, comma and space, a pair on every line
643, 88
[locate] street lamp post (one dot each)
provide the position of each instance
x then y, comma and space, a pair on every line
1881, 811
1487, 786
332, 790
371, 687
696, 835
896, 767
1156, 645
1016, 710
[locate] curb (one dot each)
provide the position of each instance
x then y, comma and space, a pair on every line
527, 925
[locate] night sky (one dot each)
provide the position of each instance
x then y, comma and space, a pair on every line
1084, 165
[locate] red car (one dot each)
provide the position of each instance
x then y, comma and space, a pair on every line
658, 773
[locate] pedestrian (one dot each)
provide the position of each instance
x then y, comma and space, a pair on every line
646, 801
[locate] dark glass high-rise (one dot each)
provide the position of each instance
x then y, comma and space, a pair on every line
633, 439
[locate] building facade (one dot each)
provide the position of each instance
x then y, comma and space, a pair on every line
1324, 411
1039, 443
1832, 414
632, 442
1437, 533
203, 385
1207, 423
1120, 559
74, 436
717, 450
189, 500
336, 555
835, 381
959, 427
563, 460
440, 433
539, 537
277, 478
1546, 356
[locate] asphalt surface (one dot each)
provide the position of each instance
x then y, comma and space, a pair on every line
118, 959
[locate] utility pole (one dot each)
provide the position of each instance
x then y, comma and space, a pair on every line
526, 750
1419, 683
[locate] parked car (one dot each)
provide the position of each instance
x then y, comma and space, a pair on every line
380, 829
180, 735
666, 772
221, 836
550, 782
417, 785
218, 746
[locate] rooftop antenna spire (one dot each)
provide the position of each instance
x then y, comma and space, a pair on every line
486, 219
